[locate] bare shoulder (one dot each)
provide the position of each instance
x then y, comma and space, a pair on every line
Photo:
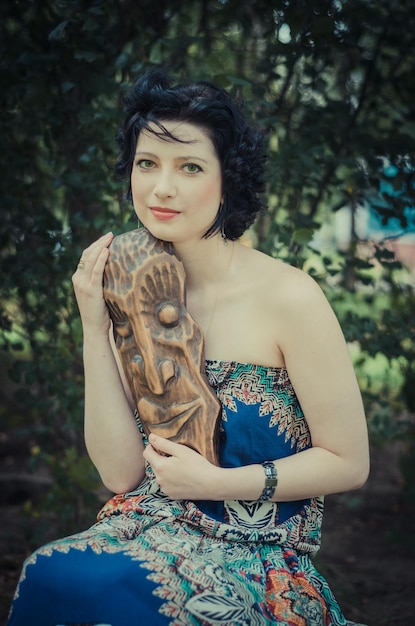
278, 303
291, 300
281, 284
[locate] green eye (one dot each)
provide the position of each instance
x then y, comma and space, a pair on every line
145, 164
191, 168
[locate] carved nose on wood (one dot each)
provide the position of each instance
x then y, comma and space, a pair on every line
158, 375
155, 375
167, 370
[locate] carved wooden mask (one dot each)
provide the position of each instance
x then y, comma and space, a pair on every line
160, 345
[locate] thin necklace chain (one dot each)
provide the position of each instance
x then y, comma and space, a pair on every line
219, 290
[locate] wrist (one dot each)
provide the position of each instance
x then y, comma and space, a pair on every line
96, 344
271, 481
92, 336
238, 483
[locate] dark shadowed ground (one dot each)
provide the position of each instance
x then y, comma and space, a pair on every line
368, 551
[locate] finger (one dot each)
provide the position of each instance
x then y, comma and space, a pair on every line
97, 252
147, 451
99, 265
165, 446
92, 252
104, 240
151, 455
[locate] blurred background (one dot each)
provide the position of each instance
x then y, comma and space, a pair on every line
333, 84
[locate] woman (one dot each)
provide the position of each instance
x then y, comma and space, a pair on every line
186, 541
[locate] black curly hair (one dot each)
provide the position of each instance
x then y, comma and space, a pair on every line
239, 145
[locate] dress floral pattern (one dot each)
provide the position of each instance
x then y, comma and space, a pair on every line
232, 563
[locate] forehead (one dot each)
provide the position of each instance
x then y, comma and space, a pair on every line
190, 139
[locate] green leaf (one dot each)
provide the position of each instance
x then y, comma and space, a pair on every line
303, 236
59, 33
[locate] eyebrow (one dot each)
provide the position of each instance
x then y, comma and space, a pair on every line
180, 158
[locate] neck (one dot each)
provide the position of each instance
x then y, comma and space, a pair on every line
206, 261
209, 266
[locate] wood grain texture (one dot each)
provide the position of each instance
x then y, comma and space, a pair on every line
160, 345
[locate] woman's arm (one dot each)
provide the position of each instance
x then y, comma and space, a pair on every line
112, 438
320, 369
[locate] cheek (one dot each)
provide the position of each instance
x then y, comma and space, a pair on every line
139, 194
210, 192
135, 187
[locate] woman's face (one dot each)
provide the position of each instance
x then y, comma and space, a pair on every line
176, 187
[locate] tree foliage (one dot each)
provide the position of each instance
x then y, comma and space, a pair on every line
330, 80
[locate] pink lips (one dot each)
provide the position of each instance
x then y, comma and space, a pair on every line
161, 213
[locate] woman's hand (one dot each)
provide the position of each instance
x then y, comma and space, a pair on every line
183, 474
87, 282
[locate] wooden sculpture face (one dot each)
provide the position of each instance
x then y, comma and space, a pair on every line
160, 345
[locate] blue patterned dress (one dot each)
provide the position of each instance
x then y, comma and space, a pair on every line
153, 561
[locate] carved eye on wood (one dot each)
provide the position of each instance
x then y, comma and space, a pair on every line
123, 330
168, 315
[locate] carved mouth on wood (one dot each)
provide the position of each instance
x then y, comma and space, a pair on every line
171, 418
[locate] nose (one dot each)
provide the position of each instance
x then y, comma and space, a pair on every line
165, 186
154, 374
